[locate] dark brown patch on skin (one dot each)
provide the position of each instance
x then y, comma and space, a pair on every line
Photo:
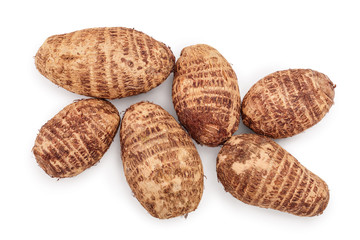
76, 138
285, 103
207, 125
257, 171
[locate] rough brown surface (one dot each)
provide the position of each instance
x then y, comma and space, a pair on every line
257, 171
105, 62
206, 95
161, 163
76, 138
288, 102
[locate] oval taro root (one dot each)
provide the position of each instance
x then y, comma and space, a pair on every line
76, 138
287, 102
161, 163
107, 63
206, 95
257, 171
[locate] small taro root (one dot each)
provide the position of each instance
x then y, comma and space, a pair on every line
206, 95
257, 171
76, 138
161, 163
107, 63
287, 102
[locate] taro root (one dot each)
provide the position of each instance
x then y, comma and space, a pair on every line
161, 163
257, 171
206, 95
105, 62
287, 102
76, 138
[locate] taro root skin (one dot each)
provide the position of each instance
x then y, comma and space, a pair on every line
259, 172
161, 163
206, 95
286, 103
76, 138
107, 63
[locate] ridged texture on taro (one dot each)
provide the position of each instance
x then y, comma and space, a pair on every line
257, 171
288, 102
206, 95
105, 62
161, 163
76, 138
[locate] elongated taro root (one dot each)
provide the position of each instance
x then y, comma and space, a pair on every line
288, 102
257, 171
161, 163
206, 95
105, 62
76, 138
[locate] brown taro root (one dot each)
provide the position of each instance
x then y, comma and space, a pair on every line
76, 138
287, 102
206, 95
257, 171
105, 62
161, 163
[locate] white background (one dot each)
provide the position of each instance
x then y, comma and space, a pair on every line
257, 38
